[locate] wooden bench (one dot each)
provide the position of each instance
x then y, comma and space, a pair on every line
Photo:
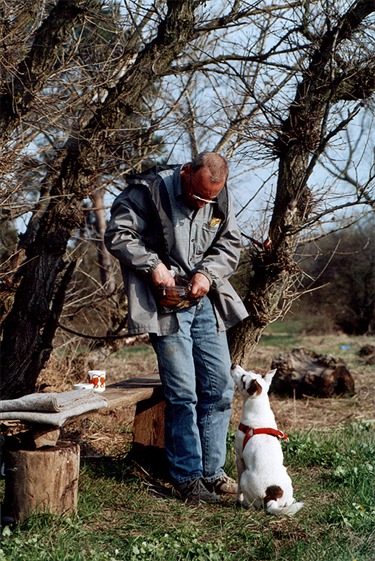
42, 473
147, 395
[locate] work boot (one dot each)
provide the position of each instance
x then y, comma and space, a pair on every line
195, 491
224, 485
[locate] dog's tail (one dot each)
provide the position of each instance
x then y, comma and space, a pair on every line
273, 508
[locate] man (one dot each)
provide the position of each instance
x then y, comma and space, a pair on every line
176, 226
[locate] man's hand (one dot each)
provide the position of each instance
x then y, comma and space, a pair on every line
200, 285
161, 276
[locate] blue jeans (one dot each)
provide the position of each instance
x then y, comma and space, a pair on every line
194, 367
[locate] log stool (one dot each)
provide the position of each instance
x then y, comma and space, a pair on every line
41, 480
42, 472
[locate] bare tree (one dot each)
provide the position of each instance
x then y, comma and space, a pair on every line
260, 82
44, 274
285, 98
325, 81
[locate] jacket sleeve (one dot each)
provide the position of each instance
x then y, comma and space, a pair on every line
129, 229
221, 260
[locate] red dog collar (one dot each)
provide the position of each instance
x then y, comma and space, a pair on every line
250, 432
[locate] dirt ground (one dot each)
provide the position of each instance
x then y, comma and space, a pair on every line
109, 432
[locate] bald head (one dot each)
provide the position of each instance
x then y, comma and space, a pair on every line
203, 179
215, 164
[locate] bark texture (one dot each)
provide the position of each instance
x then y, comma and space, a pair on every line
302, 372
296, 146
44, 480
42, 59
45, 273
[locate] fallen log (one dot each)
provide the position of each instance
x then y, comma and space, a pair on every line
367, 353
303, 372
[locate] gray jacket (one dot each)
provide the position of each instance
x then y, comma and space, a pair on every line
151, 224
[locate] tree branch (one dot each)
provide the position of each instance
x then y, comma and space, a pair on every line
35, 69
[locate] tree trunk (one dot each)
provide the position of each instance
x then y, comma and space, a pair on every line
36, 307
298, 144
44, 480
264, 302
35, 69
104, 258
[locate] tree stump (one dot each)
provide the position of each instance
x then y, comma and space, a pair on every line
43, 480
303, 372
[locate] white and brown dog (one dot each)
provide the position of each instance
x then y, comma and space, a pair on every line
262, 478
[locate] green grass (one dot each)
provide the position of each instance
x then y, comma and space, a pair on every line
134, 353
122, 517
286, 334
283, 336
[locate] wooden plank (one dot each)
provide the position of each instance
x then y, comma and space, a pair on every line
42, 436
129, 392
148, 428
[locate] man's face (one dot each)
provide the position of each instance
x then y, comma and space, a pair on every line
198, 188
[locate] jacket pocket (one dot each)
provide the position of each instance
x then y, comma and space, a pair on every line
206, 237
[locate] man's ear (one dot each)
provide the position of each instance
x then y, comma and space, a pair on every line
185, 169
185, 177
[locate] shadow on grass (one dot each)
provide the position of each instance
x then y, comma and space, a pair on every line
139, 461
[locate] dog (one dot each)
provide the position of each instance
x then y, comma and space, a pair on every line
263, 481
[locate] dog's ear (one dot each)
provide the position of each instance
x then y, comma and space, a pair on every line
237, 368
270, 374
255, 388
